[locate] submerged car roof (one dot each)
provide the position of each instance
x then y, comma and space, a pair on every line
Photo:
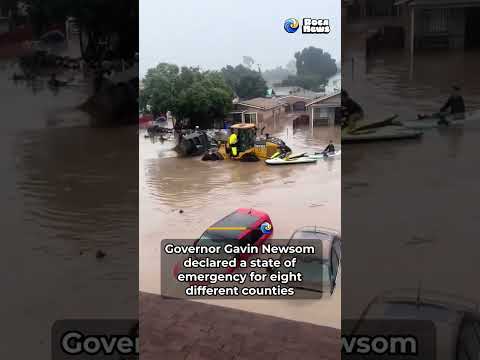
314, 233
446, 311
311, 235
237, 222
239, 218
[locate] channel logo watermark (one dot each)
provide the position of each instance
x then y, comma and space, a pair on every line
309, 26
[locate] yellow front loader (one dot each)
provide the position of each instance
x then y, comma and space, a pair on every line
249, 147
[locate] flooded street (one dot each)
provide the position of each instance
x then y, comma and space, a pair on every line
65, 197
422, 190
293, 196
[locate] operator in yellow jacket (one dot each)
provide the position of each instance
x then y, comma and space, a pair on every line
232, 143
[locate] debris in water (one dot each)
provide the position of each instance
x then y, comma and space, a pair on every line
100, 254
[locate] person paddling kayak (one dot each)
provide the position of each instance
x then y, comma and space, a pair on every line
351, 112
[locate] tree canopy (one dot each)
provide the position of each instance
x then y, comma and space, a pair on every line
246, 83
188, 92
292, 67
277, 74
313, 61
314, 67
248, 61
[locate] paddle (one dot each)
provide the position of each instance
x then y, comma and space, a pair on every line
387, 122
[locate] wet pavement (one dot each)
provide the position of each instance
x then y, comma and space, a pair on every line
293, 196
191, 331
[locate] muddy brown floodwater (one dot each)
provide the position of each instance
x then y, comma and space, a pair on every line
408, 206
64, 197
293, 196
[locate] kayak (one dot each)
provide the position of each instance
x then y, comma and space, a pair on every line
326, 156
384, 134
297, 160
433, 121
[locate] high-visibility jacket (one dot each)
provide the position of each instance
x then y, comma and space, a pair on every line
232, 140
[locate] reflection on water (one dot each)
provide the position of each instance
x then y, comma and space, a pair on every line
69, 191
399, 191
293, 196
383, 84
56, 169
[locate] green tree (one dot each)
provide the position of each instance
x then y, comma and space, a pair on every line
314, 67
313, 61
159, 88
246, 83
187, 93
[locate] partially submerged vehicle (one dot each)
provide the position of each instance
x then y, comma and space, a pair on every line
157, 129
250, 147
319, 270
195, 143
242, 227
450, 321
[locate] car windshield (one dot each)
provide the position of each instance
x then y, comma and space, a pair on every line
311, 239
313, 269
218, 238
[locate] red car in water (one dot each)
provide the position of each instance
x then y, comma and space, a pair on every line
241, 227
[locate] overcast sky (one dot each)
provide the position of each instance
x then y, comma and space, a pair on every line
214, 33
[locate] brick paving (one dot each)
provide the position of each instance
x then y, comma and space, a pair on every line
174, 329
